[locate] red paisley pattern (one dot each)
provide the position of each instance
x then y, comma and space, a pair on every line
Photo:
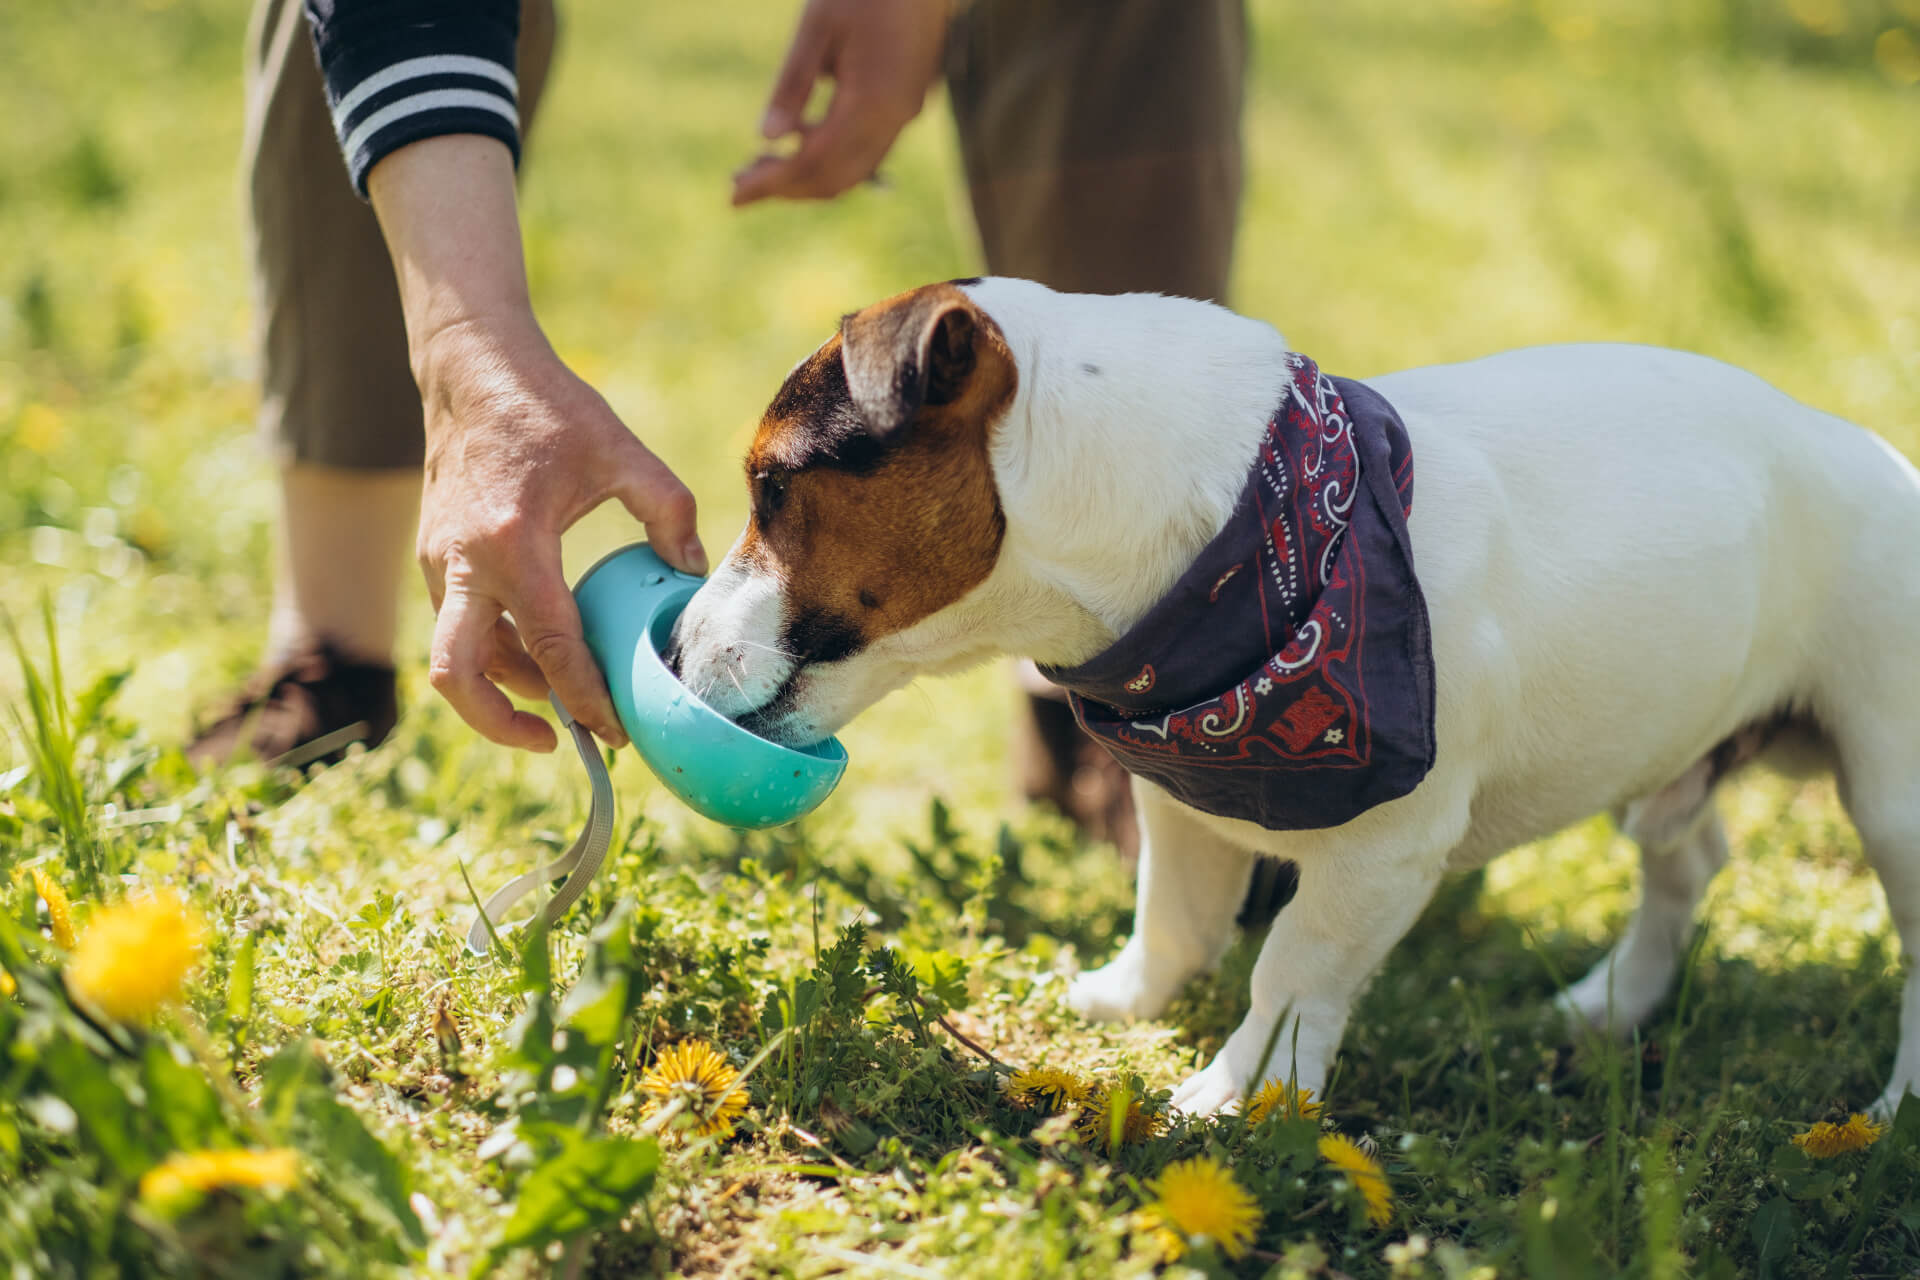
1295, 649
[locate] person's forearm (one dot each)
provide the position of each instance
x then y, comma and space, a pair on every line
446, 207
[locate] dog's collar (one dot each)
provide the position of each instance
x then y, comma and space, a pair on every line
1287, 678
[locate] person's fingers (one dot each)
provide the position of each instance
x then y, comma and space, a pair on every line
806, 59
835, 155
549, 625
462, 644
821, 168
755, 181
510, 666
658, 499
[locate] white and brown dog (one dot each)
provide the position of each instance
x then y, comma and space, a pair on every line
1637, 564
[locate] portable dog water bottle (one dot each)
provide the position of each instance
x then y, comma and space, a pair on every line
628, 603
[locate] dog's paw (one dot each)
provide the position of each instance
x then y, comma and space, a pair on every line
1209, 1091
1118, 991
1589, 1005
1576, 1014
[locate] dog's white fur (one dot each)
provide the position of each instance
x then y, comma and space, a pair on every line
1628, 554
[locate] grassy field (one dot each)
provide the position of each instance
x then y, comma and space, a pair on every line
1428, 183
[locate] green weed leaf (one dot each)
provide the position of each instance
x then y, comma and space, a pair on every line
609, 985
589, 1184
181, 1099
240, 988
943, 978
1773, 1230
297, 1093
100, 1102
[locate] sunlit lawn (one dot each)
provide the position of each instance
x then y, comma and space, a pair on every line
1428, 183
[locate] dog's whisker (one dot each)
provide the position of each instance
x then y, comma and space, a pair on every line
925, 697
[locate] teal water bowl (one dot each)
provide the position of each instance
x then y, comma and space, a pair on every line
628, 603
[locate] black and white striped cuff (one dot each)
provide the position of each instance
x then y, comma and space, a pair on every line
423, 97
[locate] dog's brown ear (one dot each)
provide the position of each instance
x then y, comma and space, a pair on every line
906, 353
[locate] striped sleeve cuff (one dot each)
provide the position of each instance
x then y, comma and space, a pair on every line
397, 73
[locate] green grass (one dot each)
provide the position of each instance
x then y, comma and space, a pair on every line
1428, 183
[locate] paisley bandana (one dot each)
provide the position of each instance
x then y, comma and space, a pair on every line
1287, 678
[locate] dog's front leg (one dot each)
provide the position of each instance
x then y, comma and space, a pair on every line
1326, 943
1191, 883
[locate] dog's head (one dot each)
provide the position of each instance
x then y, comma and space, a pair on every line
875, 510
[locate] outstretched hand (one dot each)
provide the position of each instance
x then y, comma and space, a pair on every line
882, 55
519, 449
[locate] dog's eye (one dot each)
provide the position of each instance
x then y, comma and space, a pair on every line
769, 494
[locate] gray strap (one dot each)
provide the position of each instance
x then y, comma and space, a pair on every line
578, 864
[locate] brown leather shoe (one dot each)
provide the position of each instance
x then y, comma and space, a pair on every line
310, 708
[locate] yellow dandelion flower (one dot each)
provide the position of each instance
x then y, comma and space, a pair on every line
135, 956
1097, 1115
700, 1073
7, 987
1049, 1088
1825, 1140
1200, 1197
1165, 1243
1289, 1101
184, 1176
59, 910
1364, 1172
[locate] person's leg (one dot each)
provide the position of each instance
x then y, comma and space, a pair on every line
339, 406
1101, 140
342, 558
